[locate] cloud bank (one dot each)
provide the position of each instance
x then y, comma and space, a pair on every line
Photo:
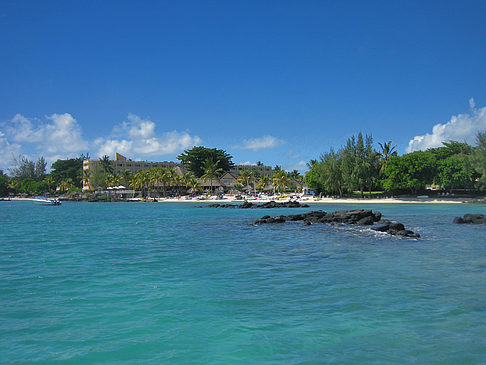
59, 136
462, 128
136, 137
56, 136
260, 143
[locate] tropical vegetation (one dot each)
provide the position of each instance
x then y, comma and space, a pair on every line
358, 166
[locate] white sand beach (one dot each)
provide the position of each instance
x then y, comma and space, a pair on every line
307, 200
312, 200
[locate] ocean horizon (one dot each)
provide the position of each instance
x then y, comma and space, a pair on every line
173, 283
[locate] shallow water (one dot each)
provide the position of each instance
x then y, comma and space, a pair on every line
171, 283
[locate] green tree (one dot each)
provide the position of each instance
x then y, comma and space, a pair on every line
40, 168
49, 181
245, 178
254, 175
454, 172
126, 176
194, 185
32, 186
141, 180
4, 184
195, 159
479, 159
387, 151
280, 180
24, 169
330, 174
68, 169
211, 171
106, 164
263, 181
451, 148
87, 175
412, 171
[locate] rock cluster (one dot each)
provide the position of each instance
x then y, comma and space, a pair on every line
395, 229
272, 204
355, 216
471, 219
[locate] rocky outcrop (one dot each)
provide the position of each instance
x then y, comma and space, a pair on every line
356, 216
471, 219
249, 205
395, 229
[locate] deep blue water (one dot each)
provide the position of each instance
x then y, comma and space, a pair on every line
171, 283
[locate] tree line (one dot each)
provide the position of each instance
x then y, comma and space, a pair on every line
206, 164
359, 166
31, 177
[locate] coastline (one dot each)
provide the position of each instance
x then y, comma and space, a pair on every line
307, 200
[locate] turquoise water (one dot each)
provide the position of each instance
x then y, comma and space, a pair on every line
171, 283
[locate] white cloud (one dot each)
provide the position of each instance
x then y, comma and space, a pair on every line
248, 163
299, 166
58, 136
462, 127
136, 137
260, 143
8, 151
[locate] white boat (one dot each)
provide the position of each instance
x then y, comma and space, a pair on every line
45, 201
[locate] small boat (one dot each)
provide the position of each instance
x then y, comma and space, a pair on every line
45, 201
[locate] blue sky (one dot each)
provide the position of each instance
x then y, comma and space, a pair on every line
274, 81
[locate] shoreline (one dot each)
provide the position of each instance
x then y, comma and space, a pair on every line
230, 199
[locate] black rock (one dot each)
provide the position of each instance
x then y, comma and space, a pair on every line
268, 205
458, 220
355, 216
471, 219
366, 221
382, 228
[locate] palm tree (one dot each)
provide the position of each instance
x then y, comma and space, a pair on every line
245, 177
280, 180
185, 178
141, 180
12, 185
86, 178
106, 164
113, 180
194, 185
164, 178
171, 175
311, 163
255, 174
49, 180
211, 171
126, 177
136, 182
387, 151
263, 181
66, 184
153, 179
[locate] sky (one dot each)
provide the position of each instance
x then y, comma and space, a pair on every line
279, 82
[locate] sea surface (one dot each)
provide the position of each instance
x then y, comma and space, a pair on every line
175, 284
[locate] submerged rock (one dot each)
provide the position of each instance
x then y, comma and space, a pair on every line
471, 219
355, 216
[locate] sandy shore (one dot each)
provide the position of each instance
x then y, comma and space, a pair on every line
310, 200
229, 199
